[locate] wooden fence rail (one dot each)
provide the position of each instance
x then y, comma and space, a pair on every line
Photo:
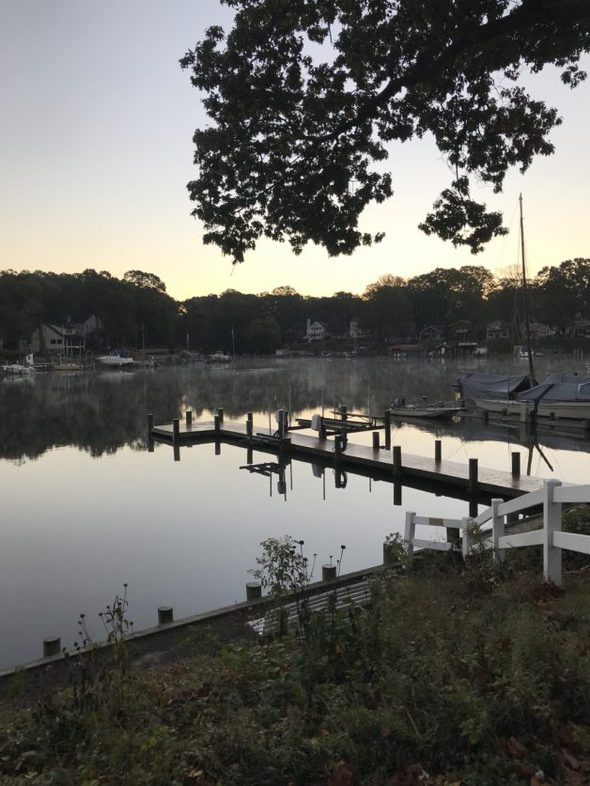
467, 532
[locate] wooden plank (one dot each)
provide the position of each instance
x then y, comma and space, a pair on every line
534, 538
429, 521
572, 541
573, 494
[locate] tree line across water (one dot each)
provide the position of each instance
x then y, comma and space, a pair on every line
136, 310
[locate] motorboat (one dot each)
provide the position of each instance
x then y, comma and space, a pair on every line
442, 409
116, 359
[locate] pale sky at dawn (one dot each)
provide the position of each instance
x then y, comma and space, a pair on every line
95, 153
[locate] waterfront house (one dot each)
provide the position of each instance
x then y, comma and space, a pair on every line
316, 331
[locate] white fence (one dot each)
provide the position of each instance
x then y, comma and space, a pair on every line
551, 498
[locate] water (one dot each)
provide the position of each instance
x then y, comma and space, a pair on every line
85, 507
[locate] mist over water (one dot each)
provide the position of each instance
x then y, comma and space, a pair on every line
85, 507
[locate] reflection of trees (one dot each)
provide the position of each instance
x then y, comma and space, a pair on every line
102, 412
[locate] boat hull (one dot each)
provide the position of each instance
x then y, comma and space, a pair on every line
555, 410
425, 412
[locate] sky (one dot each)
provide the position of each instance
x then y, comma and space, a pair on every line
96, 125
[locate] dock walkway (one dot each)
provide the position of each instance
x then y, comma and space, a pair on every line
389, 463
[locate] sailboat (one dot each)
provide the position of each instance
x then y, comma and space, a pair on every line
558, 396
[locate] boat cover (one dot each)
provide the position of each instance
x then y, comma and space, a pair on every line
559, 387
497, 386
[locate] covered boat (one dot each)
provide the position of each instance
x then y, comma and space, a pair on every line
558, 396
476, 385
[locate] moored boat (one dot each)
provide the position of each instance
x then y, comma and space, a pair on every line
442, 409
116, 359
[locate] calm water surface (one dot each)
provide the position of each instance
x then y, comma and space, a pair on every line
85, 507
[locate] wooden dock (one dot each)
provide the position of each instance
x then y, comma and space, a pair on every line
451, 478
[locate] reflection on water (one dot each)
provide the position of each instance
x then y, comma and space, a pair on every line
85, 507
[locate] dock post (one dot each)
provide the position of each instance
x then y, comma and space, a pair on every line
387, 427
217, 447
249, 424
328, 572
249, 456
375, 440
51, 646
343, 413
397, 494
175, 430
176, 452
473, 484
337, 447
515, 464
150, 421
253, 590
397, 460
220, 413
437, 451
189, 418
217, 422
165, 615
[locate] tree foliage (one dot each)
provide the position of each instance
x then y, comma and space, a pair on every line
304, 96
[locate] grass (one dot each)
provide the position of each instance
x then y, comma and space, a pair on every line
476, 676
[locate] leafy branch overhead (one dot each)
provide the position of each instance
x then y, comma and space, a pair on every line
304, 95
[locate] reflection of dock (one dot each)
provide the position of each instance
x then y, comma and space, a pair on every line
467, 481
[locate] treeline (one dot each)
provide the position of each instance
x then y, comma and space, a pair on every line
136, 309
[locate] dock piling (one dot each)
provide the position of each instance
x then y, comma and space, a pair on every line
217, 422
473, 483
189, 418
150, 422
249, 424
175, 430
253, 590
437, 451
515, 464
165, 615
375, 440
220, 413
387, 428
397, 460
51, 646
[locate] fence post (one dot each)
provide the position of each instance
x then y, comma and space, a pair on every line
551, 524
497, 530
409, 532
466, 540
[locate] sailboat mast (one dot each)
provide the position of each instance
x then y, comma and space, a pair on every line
525, 293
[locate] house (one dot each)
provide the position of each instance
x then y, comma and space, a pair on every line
354, 331
316, 331
581, 328
68, 339
497, 329
539, 330
431, 333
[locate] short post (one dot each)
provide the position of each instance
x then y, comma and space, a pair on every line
249, 424
176, 452
497, 530
249, 456
387, 427
220, 413
397, 460
473, 484
343, 413
253, 590
515, 464
150, 422
375, 440
337, 447
397, 494
175, 430
217, 422
466, 541
165, 615
189, 418
217, 447
51, 646
437, 451
409, 533
551, 524
389, 557
328, 572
